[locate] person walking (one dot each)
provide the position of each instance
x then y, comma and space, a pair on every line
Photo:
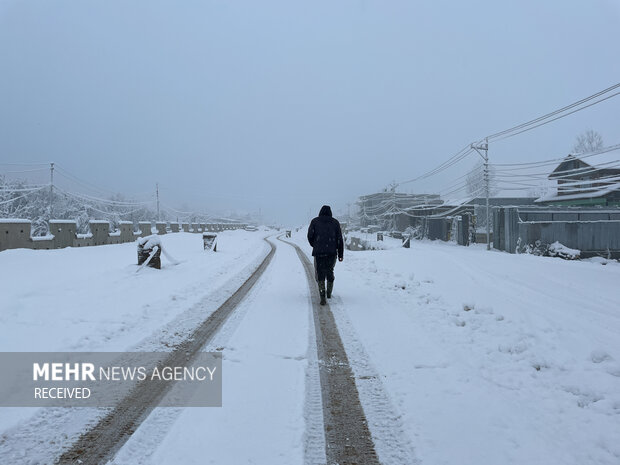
325, 237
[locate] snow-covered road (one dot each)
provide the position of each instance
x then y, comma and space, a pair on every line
92, 299
460, 355
489, 357
265, 346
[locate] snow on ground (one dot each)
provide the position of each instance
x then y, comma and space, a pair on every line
476, 357
92, 299
490, 357
264, 346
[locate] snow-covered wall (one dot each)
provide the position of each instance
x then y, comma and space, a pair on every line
16, 233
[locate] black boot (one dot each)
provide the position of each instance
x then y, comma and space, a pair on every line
322, 292
330, 288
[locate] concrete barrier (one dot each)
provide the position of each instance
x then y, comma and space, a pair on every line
43, 242
64, 232
145, 228
161, 228
100, 231
114, 237
15, 234
126, 228
83, 240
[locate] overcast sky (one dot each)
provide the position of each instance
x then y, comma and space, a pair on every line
287, 105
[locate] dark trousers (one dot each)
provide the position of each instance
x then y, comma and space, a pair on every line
324, 267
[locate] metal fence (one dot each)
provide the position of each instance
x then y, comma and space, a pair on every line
592, 231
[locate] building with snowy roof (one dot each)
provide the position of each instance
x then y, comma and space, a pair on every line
588, 179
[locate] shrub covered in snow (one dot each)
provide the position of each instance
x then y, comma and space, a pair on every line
559, 250
548, 250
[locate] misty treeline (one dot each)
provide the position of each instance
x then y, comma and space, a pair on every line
19, 200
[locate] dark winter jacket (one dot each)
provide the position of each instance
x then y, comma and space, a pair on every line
324, 234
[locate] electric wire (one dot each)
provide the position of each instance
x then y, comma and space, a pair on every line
4, 202
535, 121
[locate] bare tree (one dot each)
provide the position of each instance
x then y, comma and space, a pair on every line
539, 191
588, 141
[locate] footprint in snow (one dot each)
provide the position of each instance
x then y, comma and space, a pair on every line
599, 356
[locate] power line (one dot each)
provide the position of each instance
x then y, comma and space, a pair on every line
25, 189
24, 164
581, 156
557, 117
21, 196
460, 155
523, 127
37, 170
105, 201
556, 112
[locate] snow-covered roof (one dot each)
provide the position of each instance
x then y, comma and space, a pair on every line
600, 160
99, 221
14, 220
62, 221
590, 194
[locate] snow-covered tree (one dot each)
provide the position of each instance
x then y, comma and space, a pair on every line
588, 141
18, 199
475, 183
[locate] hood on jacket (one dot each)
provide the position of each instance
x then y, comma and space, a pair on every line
325, 211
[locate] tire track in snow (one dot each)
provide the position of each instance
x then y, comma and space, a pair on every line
314, 438
100, 443
386, 425
139, 449
51, 431
347, 437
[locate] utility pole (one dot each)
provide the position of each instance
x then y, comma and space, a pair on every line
393, 189
51, 191
485, 148
157, 193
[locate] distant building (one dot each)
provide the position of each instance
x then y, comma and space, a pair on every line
586, 180
382, 208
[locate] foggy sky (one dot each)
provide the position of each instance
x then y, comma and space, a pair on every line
288, 105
